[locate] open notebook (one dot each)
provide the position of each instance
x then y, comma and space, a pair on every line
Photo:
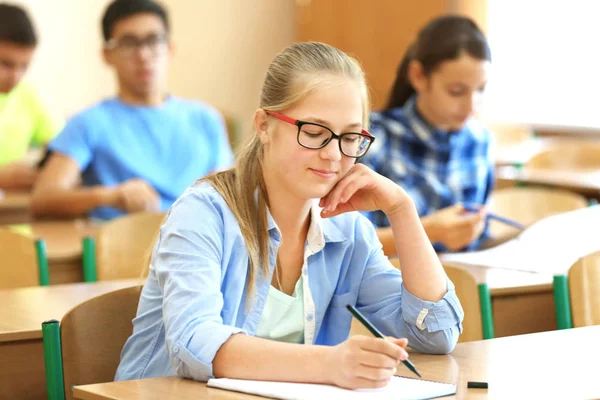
551, 245
399, 388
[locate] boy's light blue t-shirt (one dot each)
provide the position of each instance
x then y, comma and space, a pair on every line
169, 146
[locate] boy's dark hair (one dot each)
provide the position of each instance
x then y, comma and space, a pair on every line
16, 26
121, 9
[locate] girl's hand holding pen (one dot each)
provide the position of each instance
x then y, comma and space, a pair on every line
365, 362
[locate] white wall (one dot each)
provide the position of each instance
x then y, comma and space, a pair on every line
544, 63
67, 68
223, 48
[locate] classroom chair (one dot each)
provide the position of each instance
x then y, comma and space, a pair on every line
584, 288
475, 300
568, 157
24, 261
528, 205
121, 248
85, 347
577, 294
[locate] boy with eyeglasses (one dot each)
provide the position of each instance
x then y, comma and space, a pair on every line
24, 120
141, 149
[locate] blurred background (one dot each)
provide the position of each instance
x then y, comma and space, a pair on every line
544, 68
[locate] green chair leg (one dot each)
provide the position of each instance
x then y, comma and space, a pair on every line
487, 320
89, 260
55, 384
519, 168
42, 259
562, 302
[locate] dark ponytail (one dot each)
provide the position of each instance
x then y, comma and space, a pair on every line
442, 39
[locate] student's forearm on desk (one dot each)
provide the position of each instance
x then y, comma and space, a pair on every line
72, 202
249, 357
422, 271
17, 177
6, 181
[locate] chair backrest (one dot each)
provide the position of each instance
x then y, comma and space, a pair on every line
468, 294
93, 335
568, 157
584, 289
124, 244
18, 260
530, 204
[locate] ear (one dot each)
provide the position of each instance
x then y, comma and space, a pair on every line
172, 49
261, 124
416, 76
107, 55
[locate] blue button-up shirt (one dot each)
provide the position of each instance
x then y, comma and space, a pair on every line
437, 169
195, 296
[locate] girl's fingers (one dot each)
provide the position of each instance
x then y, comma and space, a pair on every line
345, 206
375, 374
377, 360
359, 183
333, 197
340, 209
400, 342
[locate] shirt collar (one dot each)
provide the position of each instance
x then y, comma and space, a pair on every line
422, 129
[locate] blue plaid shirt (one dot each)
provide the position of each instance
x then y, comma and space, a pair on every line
437, 169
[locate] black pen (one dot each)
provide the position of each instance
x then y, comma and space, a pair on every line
361, 318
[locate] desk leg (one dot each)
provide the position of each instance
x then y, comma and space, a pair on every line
53, 360
562, 302
487, 320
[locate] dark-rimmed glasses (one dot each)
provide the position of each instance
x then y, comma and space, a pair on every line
316, 136
128, 46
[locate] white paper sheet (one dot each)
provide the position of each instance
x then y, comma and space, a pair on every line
550, 245
399, 388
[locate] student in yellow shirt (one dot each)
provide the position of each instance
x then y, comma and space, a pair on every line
24, 121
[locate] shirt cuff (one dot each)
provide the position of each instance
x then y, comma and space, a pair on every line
195, 359
434, 317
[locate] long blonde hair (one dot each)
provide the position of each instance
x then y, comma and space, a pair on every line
292, 75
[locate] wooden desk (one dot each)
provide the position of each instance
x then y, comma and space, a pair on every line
63, 240
14, 207
543, 365
522, 151
22, 311
586, 182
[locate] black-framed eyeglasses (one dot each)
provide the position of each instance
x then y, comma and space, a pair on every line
316, 136
128, 46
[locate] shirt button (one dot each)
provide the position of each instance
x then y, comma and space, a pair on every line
309, 317
305, 271
421, 319
175, 349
